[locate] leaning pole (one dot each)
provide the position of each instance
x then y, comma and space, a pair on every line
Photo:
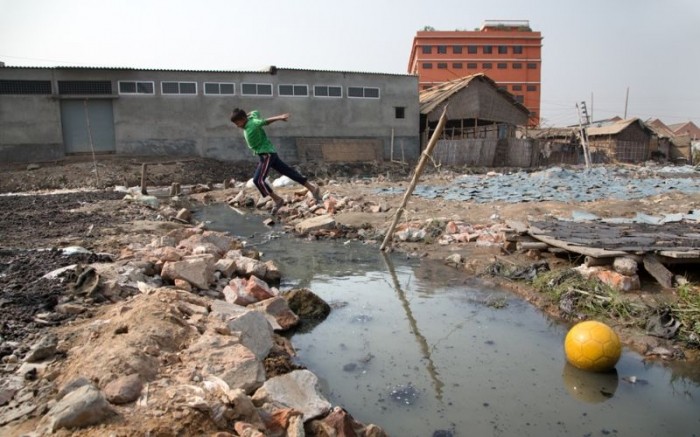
419, 169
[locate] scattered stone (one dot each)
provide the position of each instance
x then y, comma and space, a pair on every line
43, 349
226, 266
8, 388
308, 306
298, 390
256, 332
454, 260
277, 312
625, 266
235, 292
184, 215
258, 289
11, 414
411, 235
70, 308
340, 423
121, 329
272, 273
247, 267
124, 390
74, 384
243, 408
82, 407
612, 278
182, 284
197, 271
315, 224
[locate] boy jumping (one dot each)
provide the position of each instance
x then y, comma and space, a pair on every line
257, 141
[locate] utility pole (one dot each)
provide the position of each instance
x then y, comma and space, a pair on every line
627, 96
582, 133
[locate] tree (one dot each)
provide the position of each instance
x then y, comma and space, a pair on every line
428, 29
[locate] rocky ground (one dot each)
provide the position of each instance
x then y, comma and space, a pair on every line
38, 221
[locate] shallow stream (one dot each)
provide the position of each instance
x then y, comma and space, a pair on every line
420, 350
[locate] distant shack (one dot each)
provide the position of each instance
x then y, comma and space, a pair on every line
622, 141
481, 126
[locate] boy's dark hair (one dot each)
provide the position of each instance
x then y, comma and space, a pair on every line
238, 114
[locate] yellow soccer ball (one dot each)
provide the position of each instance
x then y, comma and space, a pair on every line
592, 346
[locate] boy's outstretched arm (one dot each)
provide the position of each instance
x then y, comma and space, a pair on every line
281, 117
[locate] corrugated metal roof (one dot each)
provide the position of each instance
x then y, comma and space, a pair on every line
552, 132
614, 128
263, 70
659, 128
436, 95
676, 127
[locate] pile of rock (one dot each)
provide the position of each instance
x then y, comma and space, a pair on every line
188, 354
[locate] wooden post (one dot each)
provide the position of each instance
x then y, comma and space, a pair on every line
657, 270
144, 167
531, 245
392, 144
419, 169
92, 146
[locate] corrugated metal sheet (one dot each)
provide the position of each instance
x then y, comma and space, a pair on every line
552, 132
264, 70
434, 96
613, 128
659, 128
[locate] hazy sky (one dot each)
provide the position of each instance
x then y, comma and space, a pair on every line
593, 50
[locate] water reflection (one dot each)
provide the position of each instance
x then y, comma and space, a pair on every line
418, 350
422, 341
589, 387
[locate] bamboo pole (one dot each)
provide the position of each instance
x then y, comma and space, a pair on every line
419, 169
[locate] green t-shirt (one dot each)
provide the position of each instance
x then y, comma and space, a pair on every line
255, 135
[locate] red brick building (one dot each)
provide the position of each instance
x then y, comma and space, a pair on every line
507, 51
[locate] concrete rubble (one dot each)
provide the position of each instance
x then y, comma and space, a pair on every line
192, 340
196, 317
561, 184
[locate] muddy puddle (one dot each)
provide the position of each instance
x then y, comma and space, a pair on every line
420, 350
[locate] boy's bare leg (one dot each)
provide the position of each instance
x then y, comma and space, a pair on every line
278, 202
315, 190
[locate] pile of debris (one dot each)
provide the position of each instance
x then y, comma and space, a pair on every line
191, 346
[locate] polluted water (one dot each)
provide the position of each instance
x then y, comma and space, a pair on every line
421, 350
